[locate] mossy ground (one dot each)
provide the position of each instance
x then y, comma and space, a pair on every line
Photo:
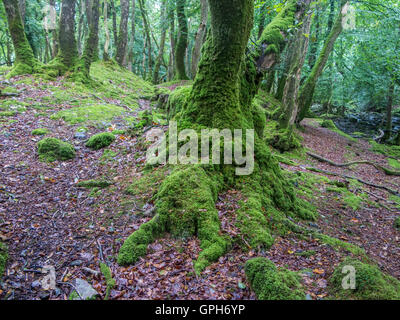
100, 140
89, 184
269, 283
110, 282
52, 149
370, 283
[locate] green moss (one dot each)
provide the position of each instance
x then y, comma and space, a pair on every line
269, 283
89, 113
51, 149
339, 244
350, 199
39, 132
394, 163
8, 113
89, 184
100, 140
185, 206
110, 282
387, 150
329, 124
397, 223
147, 185
370, 283
177, 100
307, 254
3, 259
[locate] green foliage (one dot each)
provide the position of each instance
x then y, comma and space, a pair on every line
100, 140
371, 283
387, 150
51, 149
269, 283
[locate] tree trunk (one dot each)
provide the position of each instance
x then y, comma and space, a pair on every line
68, 53
389, 109
148, 36
22, 10
106, 55
123, 32
171, 19
54, 32
82, 69
25, 61
132, 38
307, 90
200, 36
182, 41
114, 22
164, 27
81, 27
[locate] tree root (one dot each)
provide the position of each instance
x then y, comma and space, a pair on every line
348, 164
394, 192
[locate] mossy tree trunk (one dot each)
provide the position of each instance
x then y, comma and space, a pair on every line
82, 67
68, 52
164, 27
171, 19
25, 61
130, 54
182, 42
200, 36
147, 32
123, 32
307, 90
106, 55
219, 98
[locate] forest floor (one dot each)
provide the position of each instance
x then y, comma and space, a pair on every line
45, 219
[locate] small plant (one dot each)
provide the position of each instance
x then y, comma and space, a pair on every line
52, 149
110, 282
100, 140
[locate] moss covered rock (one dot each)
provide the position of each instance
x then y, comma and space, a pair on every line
52, 149
370, 283
269, 283
100, 140
329, 124
39, 132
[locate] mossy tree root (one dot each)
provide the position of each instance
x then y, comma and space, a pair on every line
185, 208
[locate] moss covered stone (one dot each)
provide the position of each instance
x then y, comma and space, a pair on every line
51, 149
100, 140
269, 283
40, 132
89, 184
370, 283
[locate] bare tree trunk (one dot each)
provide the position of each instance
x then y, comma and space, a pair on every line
132, 39
200, 36
171, 64
182, 41
148, 35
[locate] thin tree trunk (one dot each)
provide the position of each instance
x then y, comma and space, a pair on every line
200, 36
182, 41
164, 27
171, 64
307, 90
132, 38
106, 55
148, 35
114, 22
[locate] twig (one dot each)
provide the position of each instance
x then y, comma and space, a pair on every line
70, 284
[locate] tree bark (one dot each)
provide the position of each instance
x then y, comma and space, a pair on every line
171, 19
200, 36
68, 53
164, 27
106, 55
123, 32
307, 90
25, 61
132, 38
148, 36
182, 42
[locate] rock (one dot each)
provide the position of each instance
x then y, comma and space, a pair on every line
80, 135
84, 289
308, 297
76, 263
44, 295
36, 284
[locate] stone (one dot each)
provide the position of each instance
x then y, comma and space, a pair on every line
84, 289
